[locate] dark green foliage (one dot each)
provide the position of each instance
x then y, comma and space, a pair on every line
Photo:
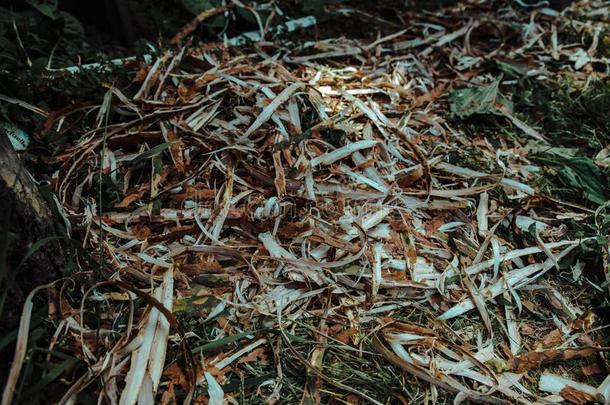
30, 37
478, 100
575, 117
197, 6
315, 7
581, 173
571, 114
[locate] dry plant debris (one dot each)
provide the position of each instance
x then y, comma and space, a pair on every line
313, 212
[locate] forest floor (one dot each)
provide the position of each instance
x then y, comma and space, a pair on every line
376, 205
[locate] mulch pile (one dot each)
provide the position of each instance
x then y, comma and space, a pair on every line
299, 200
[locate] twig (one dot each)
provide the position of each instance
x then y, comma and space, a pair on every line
194, 23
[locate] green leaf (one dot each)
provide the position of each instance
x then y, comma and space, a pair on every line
511, 69
37, 245
197, 6
246, 14
46, 7
216, 22
315, 7
154, 151
237, 384
582, 173
37, 319
39, 65
72, 27
53, 374
478, 100
221, 342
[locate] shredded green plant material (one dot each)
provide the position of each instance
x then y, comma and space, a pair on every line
411, 218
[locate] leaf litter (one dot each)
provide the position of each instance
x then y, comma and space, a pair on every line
315, 222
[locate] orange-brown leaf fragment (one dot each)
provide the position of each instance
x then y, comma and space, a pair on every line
141, 73
128, 200
575, 396
346, 335
551, 339
254, 355
175, 150
175, 376
592, 369
534, 360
